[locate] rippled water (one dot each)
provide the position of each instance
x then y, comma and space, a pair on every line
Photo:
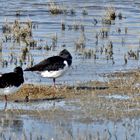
31, 127
50, 25
82, 69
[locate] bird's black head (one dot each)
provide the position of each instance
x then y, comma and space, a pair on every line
18, 70
65, 54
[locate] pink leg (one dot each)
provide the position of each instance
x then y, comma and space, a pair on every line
54, 87
5, 98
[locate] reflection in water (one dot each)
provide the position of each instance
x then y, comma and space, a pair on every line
9, 122
46, 31
13, 126
61, 121
0, 56
1, 59
58, 129
37, 105
5, 106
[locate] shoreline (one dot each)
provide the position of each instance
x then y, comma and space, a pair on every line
113, 99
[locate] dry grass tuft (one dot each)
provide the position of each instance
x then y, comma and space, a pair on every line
109, 15
55, 8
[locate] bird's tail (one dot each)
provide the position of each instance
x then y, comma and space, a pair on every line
34, 68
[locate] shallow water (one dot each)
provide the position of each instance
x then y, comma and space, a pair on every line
24, 126
116, 96
42, 105
66, 119
50, 25
82, 70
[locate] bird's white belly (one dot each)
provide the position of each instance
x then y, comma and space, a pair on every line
55, 74
9, 90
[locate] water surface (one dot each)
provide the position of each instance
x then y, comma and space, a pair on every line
83, 69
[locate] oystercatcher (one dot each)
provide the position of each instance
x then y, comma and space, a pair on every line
53, 67
11, 82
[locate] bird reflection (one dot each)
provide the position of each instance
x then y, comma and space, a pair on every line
11, 123
5, 106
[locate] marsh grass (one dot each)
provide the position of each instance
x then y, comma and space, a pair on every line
64, 131
111, 12
96, 101
100, 93
55, 8
110, 15
17, 31
0, 47
20, 36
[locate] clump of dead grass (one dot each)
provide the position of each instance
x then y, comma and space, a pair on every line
18, 31
96, 98
110, 15
55, 8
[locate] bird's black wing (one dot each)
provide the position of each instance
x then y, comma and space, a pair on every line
10, 79
50, 64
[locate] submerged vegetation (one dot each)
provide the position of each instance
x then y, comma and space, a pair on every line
114, 100
123, 84
101, 40
21, 34
56, 8
109, 16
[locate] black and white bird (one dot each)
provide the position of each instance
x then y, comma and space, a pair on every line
53, 67
11, 82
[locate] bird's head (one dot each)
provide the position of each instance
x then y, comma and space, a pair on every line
18, 70
65, 54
